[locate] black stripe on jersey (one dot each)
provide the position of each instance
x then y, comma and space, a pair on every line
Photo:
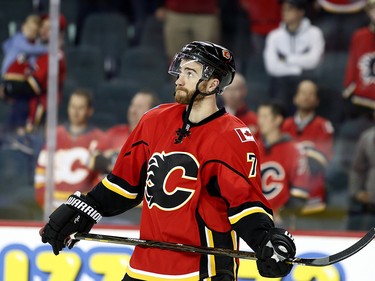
252, 228
213, 188
111, 203
226, 268
249, 205
123, 183
134, 145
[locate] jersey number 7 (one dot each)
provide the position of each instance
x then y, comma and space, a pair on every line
253, 160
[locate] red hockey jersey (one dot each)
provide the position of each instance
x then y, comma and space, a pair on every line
360, 78
205, 191
72, 159
284, 172
316, 140
316, 137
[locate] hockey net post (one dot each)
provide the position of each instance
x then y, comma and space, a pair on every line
322, 261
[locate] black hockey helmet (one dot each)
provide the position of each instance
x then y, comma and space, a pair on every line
217, 61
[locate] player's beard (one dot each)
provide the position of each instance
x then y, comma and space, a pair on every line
183, 95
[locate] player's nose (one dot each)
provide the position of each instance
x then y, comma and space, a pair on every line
179, 80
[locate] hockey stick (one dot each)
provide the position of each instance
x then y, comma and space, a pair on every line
324, 261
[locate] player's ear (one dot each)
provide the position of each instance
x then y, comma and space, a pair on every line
212, 84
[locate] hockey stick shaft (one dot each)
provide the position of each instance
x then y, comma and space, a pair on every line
323, 261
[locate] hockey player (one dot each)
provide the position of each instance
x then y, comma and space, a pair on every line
195, 167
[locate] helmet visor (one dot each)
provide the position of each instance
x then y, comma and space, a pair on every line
180, 66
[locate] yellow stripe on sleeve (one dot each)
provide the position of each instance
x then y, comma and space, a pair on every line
246, 212
117, 189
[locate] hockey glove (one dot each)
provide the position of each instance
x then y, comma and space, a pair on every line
277, 246
75, 215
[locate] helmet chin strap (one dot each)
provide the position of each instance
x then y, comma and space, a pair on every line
184, 131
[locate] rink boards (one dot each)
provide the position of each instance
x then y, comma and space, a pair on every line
24, 258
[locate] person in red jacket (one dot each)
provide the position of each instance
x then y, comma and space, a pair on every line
314, 135
359, 80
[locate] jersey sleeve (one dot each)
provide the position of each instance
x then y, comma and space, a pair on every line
122, 189
238, 181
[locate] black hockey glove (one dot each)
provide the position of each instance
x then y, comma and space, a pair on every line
75, 215
277, 246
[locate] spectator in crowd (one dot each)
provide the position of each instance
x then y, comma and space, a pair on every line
343, 151
283, 166
234, 98
20, 53
360, 78
314, 135
24, 45
362, 183
34, 87
295, 47
188, 20
75, 142
264, 16
116, 136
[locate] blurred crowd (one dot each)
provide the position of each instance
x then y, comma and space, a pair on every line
305, 86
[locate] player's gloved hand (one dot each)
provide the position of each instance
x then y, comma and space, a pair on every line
77, 214
276, 247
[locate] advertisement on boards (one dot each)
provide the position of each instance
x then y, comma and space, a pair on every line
23, 257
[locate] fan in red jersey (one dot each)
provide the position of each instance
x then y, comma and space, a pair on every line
195, 169
314, 135
75, 142
359, 80
283, 166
